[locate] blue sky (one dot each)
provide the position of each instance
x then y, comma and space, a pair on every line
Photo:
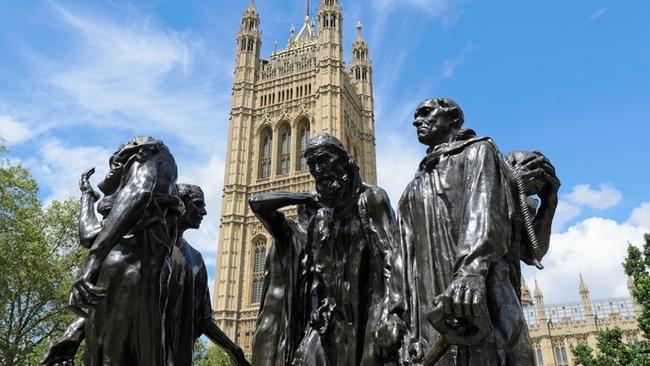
571, 79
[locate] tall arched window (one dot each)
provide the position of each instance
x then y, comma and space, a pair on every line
303, 138
560, 356
259, 259
266, 143
285, 150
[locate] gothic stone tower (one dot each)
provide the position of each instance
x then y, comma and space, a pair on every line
277, 104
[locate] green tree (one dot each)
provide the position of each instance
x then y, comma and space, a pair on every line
39, 256
209, 356
610, 348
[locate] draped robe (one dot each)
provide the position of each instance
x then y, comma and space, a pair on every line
458, 216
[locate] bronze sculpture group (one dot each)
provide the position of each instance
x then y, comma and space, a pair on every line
348, 282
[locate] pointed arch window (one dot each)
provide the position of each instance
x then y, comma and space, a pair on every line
266, 146
284, 150
560, 356
258, 262
303, 138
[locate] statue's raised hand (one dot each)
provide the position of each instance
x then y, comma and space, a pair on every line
84, 183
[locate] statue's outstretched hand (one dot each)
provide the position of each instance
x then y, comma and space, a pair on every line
61, 352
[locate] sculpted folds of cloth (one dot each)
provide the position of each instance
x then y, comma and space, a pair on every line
345, 269
461, 231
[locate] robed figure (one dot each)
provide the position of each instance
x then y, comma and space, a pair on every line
335, 278
461, 229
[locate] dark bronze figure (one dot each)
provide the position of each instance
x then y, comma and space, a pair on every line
137, 264
120, 280
341, 296
463, 233
283, 315
188, 312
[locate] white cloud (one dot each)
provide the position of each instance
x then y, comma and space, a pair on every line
452, 64
640, 215
596, 246
209, 177
597, 14
446, 10
564, 213
606, 196
129, 73
397, 162
59, 166
13, 131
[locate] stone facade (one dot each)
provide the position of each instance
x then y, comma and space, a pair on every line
556, 329
277, 104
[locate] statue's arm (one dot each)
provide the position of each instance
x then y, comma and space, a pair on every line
382, 225
484, 229
63, 350
130, 203
217, 336
207, 326
266, 207
89, 226
540, 178
380, 222
543, 223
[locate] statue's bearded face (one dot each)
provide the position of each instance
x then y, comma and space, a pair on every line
194, 211
329, 170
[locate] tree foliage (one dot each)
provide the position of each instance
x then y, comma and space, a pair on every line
39, 255
611, 350
209, 356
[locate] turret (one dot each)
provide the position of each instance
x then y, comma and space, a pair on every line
330, 34
249, 43
361, 66
361, 69
539, 303
526, 299
586, 299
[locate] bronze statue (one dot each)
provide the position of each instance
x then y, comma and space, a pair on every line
140, 278
283, 315
188, 313
120, 279
342, 265
463, 234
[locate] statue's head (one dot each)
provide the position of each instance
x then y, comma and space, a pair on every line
336, 173
138, 146
437, 120
194, 200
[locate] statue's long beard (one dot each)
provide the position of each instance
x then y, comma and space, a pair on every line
333, 192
